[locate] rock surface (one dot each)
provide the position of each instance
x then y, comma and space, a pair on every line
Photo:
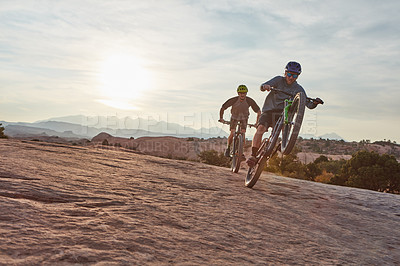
63, 205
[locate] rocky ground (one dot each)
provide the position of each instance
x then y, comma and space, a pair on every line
71, 205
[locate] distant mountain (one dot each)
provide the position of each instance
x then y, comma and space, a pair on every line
88, 127
331, 136
152, 126
26, 131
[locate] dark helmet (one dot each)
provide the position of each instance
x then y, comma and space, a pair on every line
293, 66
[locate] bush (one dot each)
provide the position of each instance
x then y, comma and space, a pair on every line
325, 167
214, 158
287, 165
369, 170
324, 177
2, 136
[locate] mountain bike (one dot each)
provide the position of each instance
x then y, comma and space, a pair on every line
236, 153
289, 124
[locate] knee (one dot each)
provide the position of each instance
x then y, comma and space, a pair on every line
260, 130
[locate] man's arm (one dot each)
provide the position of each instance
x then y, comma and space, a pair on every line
258, 115
255, 107
311, 104
225, 106
221, 114
266, 86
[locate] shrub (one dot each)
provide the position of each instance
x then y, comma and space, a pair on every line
214, 158
2, 135
369, 170
324, 177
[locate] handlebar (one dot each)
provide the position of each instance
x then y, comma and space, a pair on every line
228, 123
318, 100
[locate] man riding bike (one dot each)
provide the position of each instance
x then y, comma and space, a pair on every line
274, 103
239, 112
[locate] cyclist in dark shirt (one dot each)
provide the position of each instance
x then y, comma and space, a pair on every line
274, 103
239, 112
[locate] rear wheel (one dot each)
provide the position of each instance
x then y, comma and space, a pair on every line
290, 130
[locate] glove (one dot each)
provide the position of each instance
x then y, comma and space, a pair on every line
318, 101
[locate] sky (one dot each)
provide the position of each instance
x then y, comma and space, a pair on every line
180, 60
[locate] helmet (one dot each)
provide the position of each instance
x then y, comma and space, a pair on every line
242, 88
293, 66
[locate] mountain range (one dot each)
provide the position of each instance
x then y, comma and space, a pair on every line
88, 127
80, 126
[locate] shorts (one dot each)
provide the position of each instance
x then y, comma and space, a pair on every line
269, 118
234, 122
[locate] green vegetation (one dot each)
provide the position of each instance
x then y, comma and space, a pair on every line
327, 146
367, 170
214, 158
2, 136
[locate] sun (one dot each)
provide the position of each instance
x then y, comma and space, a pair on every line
123, 81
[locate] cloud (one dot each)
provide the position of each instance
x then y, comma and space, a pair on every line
199, 51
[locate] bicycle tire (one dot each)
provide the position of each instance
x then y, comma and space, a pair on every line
234, 157
254, 173
291, 130
275, 135
239, 153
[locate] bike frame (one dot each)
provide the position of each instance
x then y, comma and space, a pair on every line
238, 142
288, 104
289, 118
238, 130
283, 119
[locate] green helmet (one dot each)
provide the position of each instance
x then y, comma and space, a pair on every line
242, 88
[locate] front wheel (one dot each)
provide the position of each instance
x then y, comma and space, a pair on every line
291, 128
238, 153
233, 154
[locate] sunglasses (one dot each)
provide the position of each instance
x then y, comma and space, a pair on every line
292, 75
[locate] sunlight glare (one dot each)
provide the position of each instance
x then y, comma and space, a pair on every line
123, 81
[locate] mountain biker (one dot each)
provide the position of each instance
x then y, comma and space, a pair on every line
239, 112
274, 103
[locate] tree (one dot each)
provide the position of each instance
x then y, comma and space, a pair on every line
321, 159
369, 170
2, 136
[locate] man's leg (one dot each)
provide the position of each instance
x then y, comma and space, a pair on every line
229, 143
261, 129
230, 138
255, 145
